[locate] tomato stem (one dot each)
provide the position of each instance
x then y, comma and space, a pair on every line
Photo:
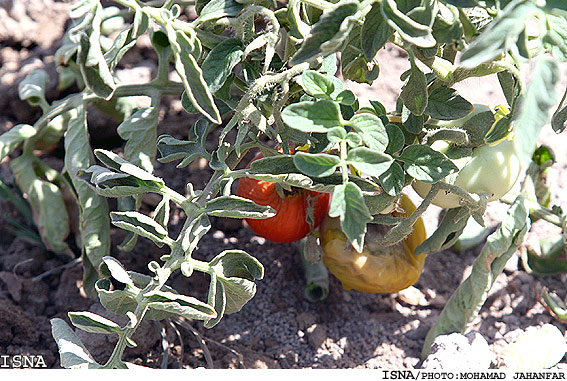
343, 164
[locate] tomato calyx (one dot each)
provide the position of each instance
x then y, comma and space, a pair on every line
285, 192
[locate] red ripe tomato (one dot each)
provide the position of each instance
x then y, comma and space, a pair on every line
289, 224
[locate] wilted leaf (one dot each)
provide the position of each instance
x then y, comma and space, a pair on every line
237, 207
72, 352
93, 323
327, 34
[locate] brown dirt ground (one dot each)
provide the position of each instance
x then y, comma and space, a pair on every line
278, 328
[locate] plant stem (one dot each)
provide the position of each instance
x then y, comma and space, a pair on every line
537, 210
344, 166
115, 360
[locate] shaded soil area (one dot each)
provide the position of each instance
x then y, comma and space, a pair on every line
278, 328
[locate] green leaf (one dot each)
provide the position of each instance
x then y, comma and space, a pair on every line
378, 107
238, 292
196, 230
329, 65
111, 184
11, 139
500, 35
281, 169
72, 352
142, 225
14, 197
112, 160
237, 207
445, 103
237, 270
369, 161
117, 301
371, 130
393, 179
447, 31
111, 267
396, 139
216, 9
500, 131
127, 38
93, 209
348, 203
32, 88
311, 116
353, 140
46, 200
462, 3
165, 304
409, 29
317, 84
220, 61
318, 165
414, 92
195, 86
478, 126
463, 306
278, 164
162, 212
355, 66
336, 134
549, 258
328, 34
413, 123
93, 323
558, 122
128, 204
139, 131
376, 203
217, 299
237, 263
173, 149
533, 110
90, 58
425, 164
509, 86
346, 97
556, 35
375, 32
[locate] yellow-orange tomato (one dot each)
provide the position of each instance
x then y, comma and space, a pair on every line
377, 269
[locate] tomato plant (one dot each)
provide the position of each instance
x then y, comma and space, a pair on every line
292, 207
377, 269
265, 76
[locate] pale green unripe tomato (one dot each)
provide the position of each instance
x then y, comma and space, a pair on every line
492, 169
